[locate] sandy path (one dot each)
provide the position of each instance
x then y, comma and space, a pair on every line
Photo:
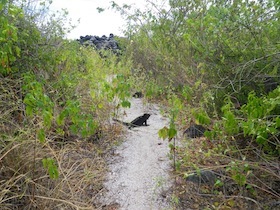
138, 177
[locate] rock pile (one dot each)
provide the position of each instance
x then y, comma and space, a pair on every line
101, 43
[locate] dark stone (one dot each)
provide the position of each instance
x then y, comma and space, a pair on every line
98, 135
195, 131
270, 83
276, 186
101, 43
205, 177
138, 95
275, 205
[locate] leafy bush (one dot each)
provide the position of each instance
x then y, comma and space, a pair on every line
221, 61
51, 107
231, 48
9, 36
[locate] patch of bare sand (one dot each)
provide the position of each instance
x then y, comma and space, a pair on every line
139, 169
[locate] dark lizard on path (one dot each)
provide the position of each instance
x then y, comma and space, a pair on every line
139, 121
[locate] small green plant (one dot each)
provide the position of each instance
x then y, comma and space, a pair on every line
262, 119
258, 119
230, 122
239, 172
175, 199
81, 123
201, 117
9, 50
50, 165
36, 101
170, 132
118, 91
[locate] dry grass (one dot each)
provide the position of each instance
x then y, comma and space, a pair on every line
25, 184
263, 177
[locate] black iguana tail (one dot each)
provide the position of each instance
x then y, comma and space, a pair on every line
124, 123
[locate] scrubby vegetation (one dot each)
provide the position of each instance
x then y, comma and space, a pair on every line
215, 63
54, 112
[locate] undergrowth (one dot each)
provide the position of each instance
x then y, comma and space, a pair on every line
53, 145
214, 64
54, 113
208, 62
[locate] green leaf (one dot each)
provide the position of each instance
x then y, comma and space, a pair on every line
126, 104
163, 133
171, 147
47, 118
230, 123
100, 105
262, 136
29, 100
218, 183
49, 164
209, 134
202, 117
277, 120
172, 132
74, 128
249, 127
29, 110
61, 117
1, 5
41, 135
239, 178
84, 133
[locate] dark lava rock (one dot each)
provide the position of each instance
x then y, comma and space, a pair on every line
195, 131
101, 43
205, 177
270, 83
138, 95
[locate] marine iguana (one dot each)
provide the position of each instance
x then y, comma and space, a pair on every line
139, 121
